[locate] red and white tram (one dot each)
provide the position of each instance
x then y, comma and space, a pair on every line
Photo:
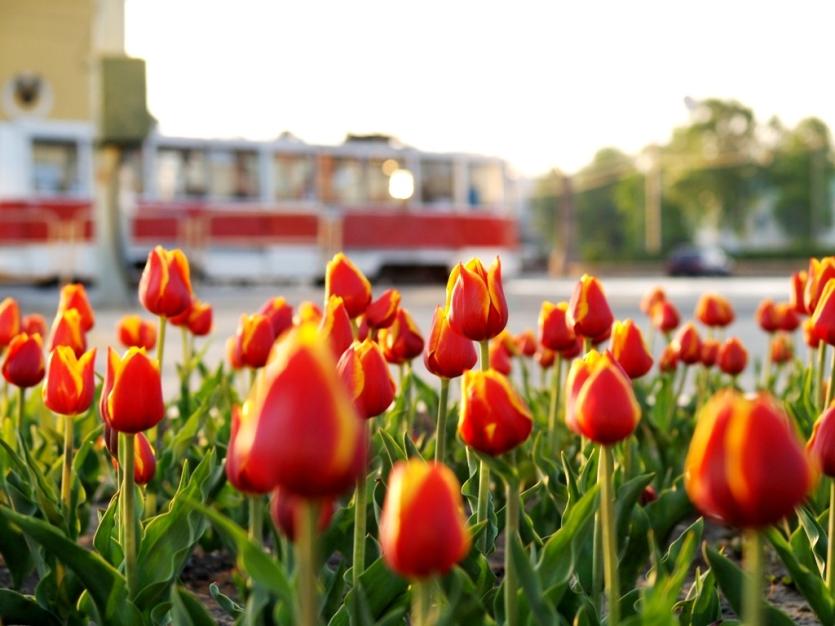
254, 211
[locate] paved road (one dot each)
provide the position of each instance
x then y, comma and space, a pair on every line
524, 296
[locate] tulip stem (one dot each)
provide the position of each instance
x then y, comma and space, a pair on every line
767, 362
752, 601
186, 373
161, 341
610, 551
412, 406
306, 565
511, 533
21, 416
820, 373
484, 347
66, 474
128, 512
440, 430
360, 520
555, 402
830, 553
421, 602
483, 468
256, 519
831, 383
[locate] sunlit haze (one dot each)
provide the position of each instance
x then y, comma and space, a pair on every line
541, 84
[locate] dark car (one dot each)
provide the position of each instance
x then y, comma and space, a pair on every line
698, 261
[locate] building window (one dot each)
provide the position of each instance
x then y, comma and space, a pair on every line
348, 180
181, 173
55, 167
295, 177
485, 184
234, 175
437, 182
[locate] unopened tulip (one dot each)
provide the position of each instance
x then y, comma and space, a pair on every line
653, 297
768, 317
233, 353
280, 315
782, 349
545, 357
733, 357
745, 465
665, 317
365, 374
298, 428
629, 349
475, 300
500, 357
144, 460
789, 319
809, 336
307, 313
33, 324
382, 311
344, 279
165, 285
823, 318
714, 311
255, 340
578, 374
336, 326
821, 272
796, 297
447, 353
687, 344
285, 510
197, 318
70, 381
526, 343
668, 361
554, 331
131, 399
822, 442
493, 418
710, 352
588, 310
401, 341
423, 530
604, 408
74, 296
134, 332
9, 321
67, 331
23, 365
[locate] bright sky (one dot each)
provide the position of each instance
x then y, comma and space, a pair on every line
539, 83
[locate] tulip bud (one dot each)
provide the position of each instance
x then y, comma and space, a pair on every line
710, 352
782, 349
165, 285
70, 382
144, 460
233, 354
767, 316
499, 356
67, 331
382, 311
809, 336
23, 365
493, 418
33, 324
823, 318
298, 428
448, 354
134, 332
280, 315
475, 300
423, 531
629, 349
284, 509
526, 343
9, 321
789, 320
588, 310
131, 399
578, 374
307, 313
821, 444
821, 272
545, 357
745, 465
715, 311
796, 300
366, 376
604, 408
197, 318
255, 340
665, 316
687, 344
733, 357
668, 361
554, 330
74, 296
344, 279
652, 298
401, 341
336, 326
648, 495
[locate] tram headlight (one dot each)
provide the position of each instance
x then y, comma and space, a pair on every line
401, 184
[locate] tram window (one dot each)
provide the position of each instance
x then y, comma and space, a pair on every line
295, 177
234, 174
437, 182
379, 171
485, 184
55, 167
348, 180
181, 173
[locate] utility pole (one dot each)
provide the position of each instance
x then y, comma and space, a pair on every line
652, 202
